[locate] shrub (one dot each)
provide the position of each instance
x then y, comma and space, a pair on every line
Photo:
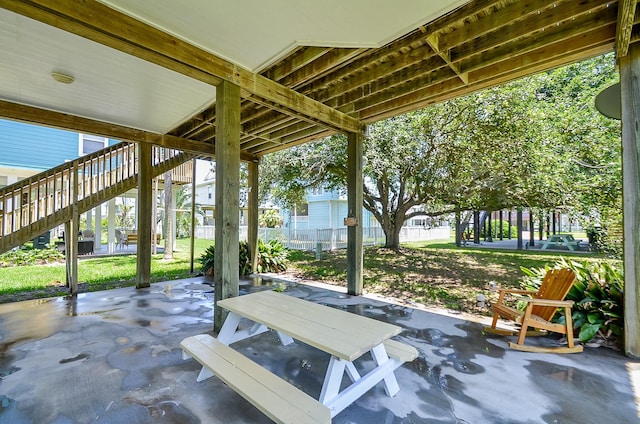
30, 256
598, 296
271, 258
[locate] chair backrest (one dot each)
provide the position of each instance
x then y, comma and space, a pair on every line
555, 286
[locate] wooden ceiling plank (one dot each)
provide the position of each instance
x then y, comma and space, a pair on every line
317, 136
302, 58
328, 63
414, 63
364, 61
513, 68
585, 24
444, 55
397, 86
549, 20
626, 15
487, 23
536, 59
99, 23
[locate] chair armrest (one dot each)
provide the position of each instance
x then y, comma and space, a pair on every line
517, 291
546, 302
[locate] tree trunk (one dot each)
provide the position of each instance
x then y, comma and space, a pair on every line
167, 223
392, 235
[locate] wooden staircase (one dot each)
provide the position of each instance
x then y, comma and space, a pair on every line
41, 202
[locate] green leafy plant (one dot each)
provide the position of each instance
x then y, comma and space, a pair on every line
272, 257
30, 256
598, 296
207, 259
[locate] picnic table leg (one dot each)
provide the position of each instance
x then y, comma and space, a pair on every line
285, 339
229, 328
332, 379
380, 356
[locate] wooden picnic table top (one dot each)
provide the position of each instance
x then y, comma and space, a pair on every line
342, 334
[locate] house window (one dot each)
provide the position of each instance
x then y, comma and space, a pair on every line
210, 192
317, 191
91, 143
302, 209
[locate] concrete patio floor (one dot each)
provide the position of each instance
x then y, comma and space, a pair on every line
114, 357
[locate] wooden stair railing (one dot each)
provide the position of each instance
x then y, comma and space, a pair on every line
46, 200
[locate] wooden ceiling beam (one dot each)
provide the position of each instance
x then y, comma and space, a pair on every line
363, 62
551, 20
444, 55
519, 65
97, 22
300, 59
265, 150
586, 24
397, 86
626, 15
328, 63
487, 23
510, 69
414, 63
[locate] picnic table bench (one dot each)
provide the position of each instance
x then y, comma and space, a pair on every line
345, 336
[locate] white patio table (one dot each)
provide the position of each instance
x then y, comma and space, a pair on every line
343, 335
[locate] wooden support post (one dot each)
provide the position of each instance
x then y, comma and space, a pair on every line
226, 275
111, 226
71, 234
193, 214
510, 221
355, 187
489, 232
500, 230
630, 102
144, 212
252, 221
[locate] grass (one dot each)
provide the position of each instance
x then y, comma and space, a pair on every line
102, 272
436, 274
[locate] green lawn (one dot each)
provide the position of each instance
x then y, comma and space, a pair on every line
102, 272
437, 274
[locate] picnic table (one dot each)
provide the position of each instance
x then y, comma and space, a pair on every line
559, 240
343, 335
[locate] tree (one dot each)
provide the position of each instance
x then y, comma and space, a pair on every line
183, 211
270, 219
428, 162
526, 143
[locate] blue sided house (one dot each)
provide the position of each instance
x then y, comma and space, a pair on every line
30, 149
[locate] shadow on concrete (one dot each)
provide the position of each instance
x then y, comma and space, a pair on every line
114, 357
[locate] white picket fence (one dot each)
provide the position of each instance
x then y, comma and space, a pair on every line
330, 238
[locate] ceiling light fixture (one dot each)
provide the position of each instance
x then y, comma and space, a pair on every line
63, 78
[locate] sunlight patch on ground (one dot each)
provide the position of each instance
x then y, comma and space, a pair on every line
634, 376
